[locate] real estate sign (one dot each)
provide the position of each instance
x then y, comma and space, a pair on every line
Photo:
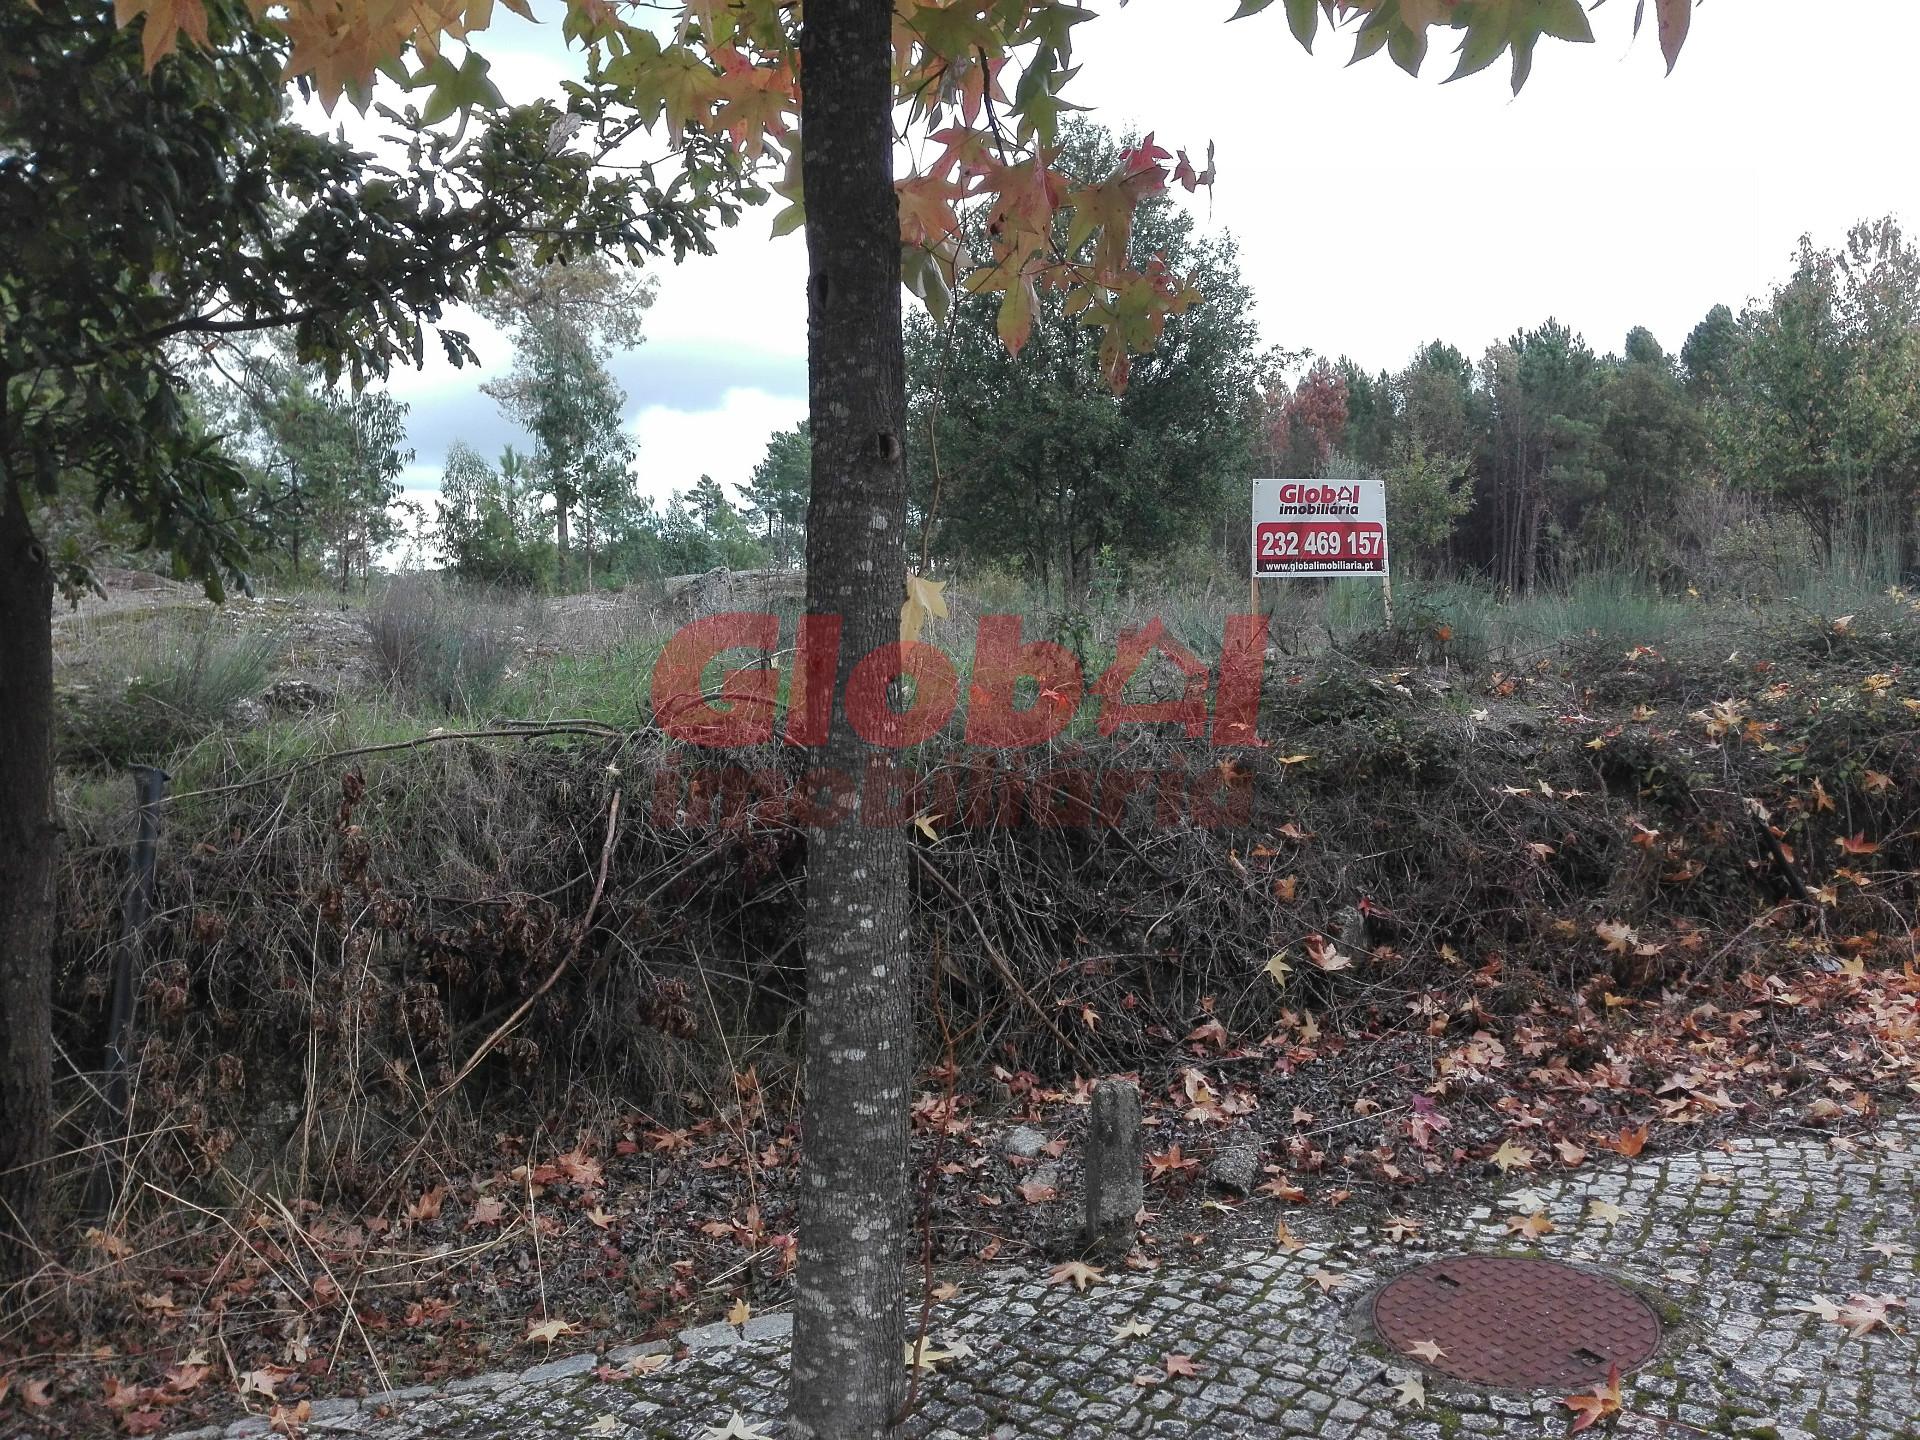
1308, 528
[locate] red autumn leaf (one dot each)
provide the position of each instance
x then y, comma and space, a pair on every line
1604, 1401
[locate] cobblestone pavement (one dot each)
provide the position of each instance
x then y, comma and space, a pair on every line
1728, 1242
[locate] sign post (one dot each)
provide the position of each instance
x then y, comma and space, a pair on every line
1320, 529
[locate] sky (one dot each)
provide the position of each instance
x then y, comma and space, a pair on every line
1374, 212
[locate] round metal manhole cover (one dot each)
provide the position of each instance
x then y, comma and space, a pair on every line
1514, 1323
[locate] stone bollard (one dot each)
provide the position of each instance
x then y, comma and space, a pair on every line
1114, 1190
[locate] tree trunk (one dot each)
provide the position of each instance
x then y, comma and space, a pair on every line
560, 531
848, 1377
28, 835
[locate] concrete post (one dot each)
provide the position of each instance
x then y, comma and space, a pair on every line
1114, 1189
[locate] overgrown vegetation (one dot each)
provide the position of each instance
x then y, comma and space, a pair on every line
1596, 830
445, 651
155, 690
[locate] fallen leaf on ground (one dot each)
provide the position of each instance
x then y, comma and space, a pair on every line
736, 1429
1629, 1142
739, 1312
548, 1331
1620, 939
1076, 1273
1605, 1211
1411, 1394
606, 1425
1513, 1156
262, 1381
1604, 1401
1326, 1279
1427, 1350
638, 1365
926, 1352
1170, 1162
1861, 1314
1531, 1226
1180, 1365
1132, 1326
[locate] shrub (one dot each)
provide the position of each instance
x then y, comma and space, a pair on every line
448, 648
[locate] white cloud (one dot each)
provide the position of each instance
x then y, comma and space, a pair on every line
1374, 212
677, 447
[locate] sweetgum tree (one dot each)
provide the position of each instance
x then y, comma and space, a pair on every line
984, 80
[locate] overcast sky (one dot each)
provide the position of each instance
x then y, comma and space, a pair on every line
1374, 212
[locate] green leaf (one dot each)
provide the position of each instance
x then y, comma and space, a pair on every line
1303, 17
1522, 61
1252, 7
1408, 49
1486, 40
1565, 20
1368, 42
467, 88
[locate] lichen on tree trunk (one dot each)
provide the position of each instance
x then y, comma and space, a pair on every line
848, 1373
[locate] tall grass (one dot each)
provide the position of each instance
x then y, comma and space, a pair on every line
147, 688
443, 646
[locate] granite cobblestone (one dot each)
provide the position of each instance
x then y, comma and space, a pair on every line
1731, 1241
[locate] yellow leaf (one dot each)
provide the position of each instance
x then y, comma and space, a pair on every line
738, 1312
925, 1353
1412, 1394
1619, 938
924, 602
1278, 968
925, 825
548, 1331
1076, 1273
1513, 1156
165, 21
1532, 1227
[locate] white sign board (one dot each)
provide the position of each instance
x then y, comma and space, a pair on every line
1312, 528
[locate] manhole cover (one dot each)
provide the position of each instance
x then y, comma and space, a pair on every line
1521, 1324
